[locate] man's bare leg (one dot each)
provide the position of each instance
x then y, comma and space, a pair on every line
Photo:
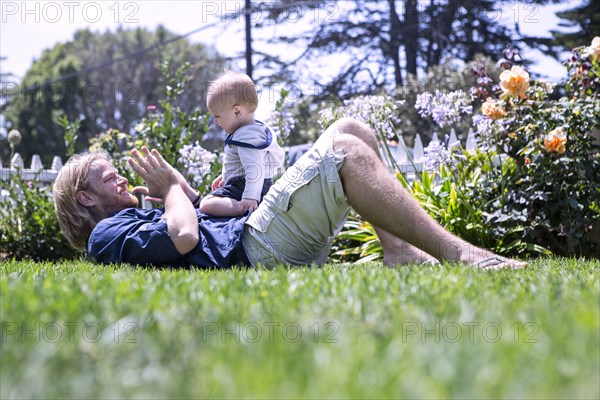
379, 198
395, 251
398, 252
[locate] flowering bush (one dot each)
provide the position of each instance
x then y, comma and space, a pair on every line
200, 166
445, 108
168, 129
378, 112
28, 225
438, 154
533, 188
546, 194
282, 119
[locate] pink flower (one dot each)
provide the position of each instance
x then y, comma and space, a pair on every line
151, 107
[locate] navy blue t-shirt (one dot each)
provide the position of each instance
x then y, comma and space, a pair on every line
140, 236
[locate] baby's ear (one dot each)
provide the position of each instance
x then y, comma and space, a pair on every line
237, 110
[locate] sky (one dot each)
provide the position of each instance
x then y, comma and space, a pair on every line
29, 27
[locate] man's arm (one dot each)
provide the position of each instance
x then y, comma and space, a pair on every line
165, 183
192, 194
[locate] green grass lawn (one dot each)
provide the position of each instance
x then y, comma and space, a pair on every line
78, 330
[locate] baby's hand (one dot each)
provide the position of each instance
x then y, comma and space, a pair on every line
218, 182
247, 204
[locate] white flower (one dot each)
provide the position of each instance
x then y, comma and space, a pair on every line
547, 86
436, 154
14, 138
593, 51
197, 162
444, 108
379, 112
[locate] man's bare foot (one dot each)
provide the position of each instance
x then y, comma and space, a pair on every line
485, 259
392, 260
497, 262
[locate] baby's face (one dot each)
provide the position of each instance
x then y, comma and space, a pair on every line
224, 115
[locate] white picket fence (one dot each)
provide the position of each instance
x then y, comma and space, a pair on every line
410, 159
404, 157
35, 172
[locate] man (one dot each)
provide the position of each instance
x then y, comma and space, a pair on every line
294, 225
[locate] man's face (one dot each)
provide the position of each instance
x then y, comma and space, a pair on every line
107, 190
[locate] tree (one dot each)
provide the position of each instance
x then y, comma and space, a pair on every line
107, 80
248, 29
4, 77
586, 18
379, 43
376, 45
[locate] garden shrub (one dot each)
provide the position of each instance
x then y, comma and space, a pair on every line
449, 193
532, 188
28, 224
548, 194
175, 133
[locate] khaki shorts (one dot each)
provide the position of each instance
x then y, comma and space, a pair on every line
303, 211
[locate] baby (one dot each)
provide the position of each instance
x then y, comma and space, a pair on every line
252, 155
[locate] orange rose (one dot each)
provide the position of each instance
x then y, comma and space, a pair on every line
514, 82
555, 141
594, 49
492, 109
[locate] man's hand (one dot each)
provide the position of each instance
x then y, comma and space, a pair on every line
247, 204
218, 182
190, 192
153, 168
166, 183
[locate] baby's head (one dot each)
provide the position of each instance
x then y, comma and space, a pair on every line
232, 100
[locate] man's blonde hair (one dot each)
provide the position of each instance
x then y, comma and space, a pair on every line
233, 88
76, 221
